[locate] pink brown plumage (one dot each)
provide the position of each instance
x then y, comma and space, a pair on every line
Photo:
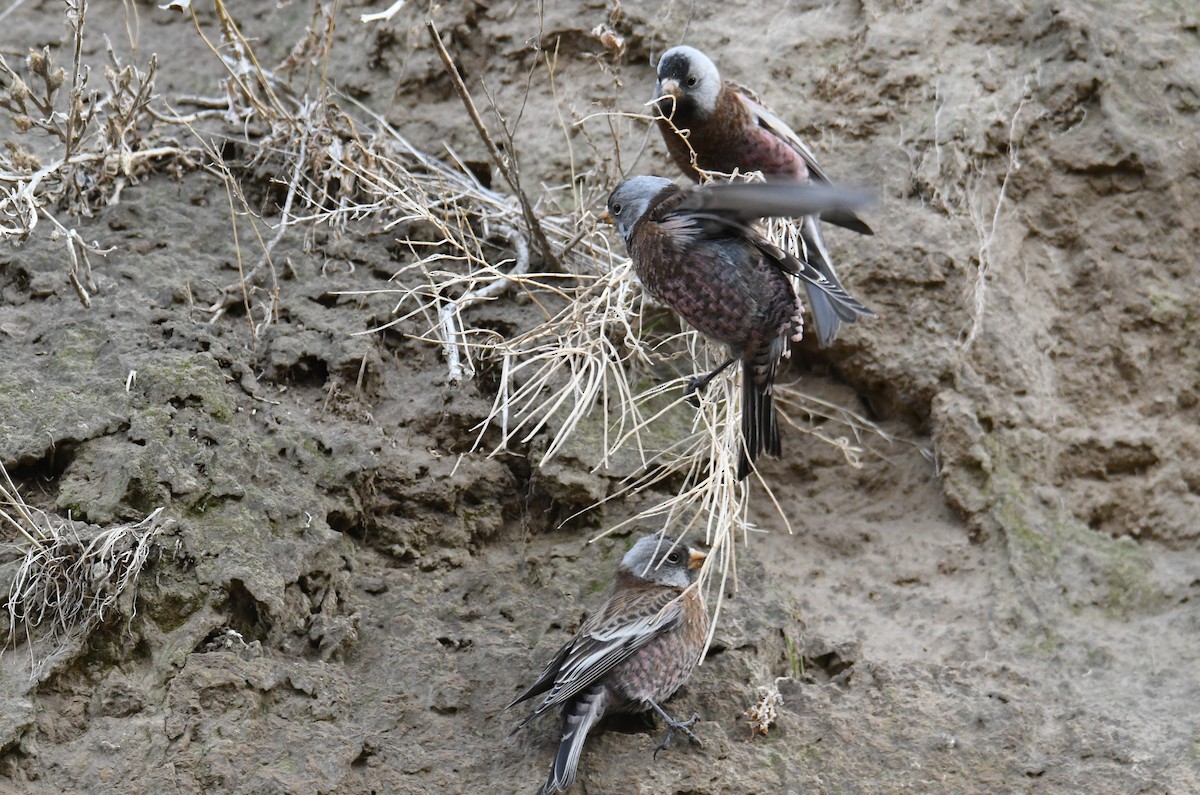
715, 125
694, 249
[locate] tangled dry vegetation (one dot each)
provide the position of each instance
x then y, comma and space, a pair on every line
592, 362
98, 143
951, 176
67, 577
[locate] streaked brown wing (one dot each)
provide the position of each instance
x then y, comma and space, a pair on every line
627, 622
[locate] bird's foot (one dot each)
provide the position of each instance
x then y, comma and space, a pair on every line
697, 383
695, 386
678, 725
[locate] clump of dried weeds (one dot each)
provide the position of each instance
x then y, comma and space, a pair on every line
67, 577
98, 142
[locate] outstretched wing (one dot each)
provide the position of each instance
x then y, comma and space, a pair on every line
747, 201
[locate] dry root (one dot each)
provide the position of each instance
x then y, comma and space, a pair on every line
69, 577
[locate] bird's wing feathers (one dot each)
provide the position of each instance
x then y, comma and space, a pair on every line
629, 621
666, 202
747, 201
717, 223
769, 121
766, 119
844, 305
546, 680
680, 218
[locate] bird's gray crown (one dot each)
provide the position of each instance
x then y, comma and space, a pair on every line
631, 199
655, 560
695, 75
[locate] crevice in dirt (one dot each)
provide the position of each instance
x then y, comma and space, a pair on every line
246, 615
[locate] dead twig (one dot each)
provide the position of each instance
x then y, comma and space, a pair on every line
507, 167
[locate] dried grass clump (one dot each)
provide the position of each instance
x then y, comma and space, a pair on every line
95, 141
68, 577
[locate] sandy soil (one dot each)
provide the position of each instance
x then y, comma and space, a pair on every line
1002, 598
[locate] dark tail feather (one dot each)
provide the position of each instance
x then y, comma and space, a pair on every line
827, 314
579, 717
760, 428
847, 220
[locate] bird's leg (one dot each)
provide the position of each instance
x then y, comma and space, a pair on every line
674, 726
697, 382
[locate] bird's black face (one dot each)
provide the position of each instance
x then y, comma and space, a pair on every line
675, 80
677, 66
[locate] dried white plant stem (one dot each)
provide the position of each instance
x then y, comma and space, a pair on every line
70, 577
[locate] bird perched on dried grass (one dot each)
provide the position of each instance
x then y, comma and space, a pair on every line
630, 656
694, 249
710, 124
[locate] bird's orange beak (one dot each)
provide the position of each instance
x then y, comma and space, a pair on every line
605, 218
696, 559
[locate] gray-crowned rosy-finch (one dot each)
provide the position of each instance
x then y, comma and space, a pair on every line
628, 657
694, 249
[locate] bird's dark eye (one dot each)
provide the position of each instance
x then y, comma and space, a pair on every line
692, 80
616, 209
673, 557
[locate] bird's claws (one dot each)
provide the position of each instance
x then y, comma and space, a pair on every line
679, 725
695, 386
698, 382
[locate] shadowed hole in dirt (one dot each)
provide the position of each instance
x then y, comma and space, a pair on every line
327, 300
14, 276
370, 748
648, 722
832, 664
453, 644
231, 150
481, 170
313, 585
40, 476
308, 371
180, 402
244, 613
636, 723
346, 523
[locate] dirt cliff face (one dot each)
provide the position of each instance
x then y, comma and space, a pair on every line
1002, 597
